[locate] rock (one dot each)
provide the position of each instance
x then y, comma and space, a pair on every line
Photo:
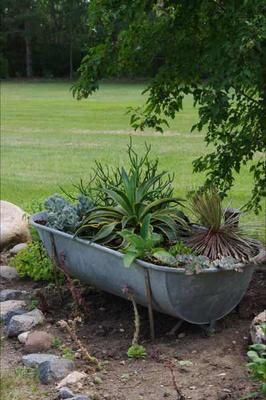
34, 360
38, 341
54, 370
17, 248
81, 397
13, 294
72, 379
256, 332
65, 393
97, 380
14, 227
11, 314
9, 306
24, 322
22, 337
8, 273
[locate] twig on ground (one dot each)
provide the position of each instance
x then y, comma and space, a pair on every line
179, 394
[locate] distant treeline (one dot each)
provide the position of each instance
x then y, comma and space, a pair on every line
42, 38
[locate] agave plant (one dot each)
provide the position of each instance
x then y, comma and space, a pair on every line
128, 204
220, 235
132, 202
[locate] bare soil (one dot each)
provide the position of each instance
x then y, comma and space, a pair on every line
215, 366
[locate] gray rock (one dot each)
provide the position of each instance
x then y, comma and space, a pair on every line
81, 397
8, 273
13, 294
257, 333
53, 370
34, 360
24, 322
65, 393
11, 314
10, 306
16, 249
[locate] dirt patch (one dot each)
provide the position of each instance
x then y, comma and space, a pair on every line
204, 367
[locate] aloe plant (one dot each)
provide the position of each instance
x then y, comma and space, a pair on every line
131, 203
127, 197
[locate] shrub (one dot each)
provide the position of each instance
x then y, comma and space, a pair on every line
34, 263
257, 364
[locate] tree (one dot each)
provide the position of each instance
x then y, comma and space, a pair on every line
21, 20
214, 50
48, 35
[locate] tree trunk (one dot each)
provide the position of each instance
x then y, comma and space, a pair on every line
28, 58
70, 59
71, 50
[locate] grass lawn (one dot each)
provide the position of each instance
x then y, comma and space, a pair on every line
50, 139
21, 384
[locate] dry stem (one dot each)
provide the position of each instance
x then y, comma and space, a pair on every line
70, 327
130, 295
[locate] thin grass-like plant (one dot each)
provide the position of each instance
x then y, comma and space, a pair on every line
220, 235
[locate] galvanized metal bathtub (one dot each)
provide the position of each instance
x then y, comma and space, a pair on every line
198, 299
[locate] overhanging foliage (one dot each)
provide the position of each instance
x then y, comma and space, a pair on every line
213, 50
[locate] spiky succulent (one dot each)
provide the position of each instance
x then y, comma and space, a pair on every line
128, 196
219, 235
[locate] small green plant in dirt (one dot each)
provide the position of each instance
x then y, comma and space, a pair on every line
34, 263
67, 352
136, 351
34, 303
257, 364
57, 343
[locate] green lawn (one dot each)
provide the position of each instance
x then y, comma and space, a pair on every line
50, 139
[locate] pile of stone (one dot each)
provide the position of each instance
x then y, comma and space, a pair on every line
21, 322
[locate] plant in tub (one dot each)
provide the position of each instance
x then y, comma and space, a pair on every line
65, 216
220, 235
134, 210
140, 193
142, 245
